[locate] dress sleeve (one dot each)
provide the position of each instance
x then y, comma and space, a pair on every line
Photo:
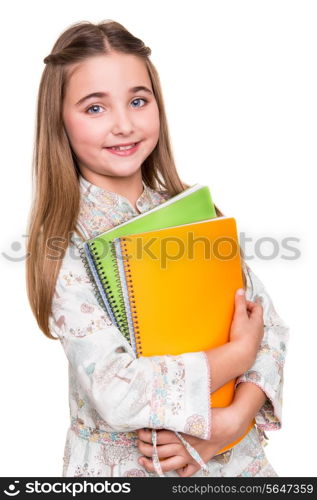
129, 393
267, 370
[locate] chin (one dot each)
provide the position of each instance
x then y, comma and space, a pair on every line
123, 172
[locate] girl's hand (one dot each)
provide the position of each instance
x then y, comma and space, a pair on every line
227, 427
171, 451
247, 328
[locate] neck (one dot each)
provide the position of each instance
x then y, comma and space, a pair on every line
130, 187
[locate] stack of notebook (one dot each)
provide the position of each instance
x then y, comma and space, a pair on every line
192, 205
167, 278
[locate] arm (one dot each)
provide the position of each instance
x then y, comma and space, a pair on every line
225, 363
247, 402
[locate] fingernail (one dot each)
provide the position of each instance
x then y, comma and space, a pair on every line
240, 291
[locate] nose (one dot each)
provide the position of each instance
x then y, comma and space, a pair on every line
122, 122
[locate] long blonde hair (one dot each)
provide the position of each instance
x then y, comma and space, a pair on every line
55, 173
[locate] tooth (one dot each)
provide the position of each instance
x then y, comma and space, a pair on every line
123, 148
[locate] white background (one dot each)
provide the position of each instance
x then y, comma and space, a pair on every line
239, 82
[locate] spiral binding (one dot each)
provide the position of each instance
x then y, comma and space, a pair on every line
120, 318
92, 279
129, 281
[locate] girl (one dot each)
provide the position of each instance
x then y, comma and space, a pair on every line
99, 91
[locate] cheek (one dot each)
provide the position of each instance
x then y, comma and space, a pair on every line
80, 131
152, 123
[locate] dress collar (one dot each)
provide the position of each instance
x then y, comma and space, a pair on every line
103, 196
101, 209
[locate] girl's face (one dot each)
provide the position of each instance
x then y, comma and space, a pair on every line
121, 113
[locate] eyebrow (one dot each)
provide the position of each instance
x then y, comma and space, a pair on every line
133, 90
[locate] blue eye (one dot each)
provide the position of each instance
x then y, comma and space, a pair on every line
94, 106
140, 99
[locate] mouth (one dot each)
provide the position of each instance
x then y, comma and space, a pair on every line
124, 150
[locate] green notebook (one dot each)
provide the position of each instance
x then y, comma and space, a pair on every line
194, 204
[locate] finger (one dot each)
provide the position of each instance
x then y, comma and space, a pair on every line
251, 305
256, 311
147, 463
167, 465
162, 436
253, 309
145, 448
167, 437
163, 451
145, 435
188, 470
240, 301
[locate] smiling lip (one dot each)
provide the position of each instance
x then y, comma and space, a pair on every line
126, 152
124, 144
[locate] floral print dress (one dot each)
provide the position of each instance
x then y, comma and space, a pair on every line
112, 393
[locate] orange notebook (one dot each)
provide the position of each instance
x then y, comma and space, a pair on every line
179, 285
